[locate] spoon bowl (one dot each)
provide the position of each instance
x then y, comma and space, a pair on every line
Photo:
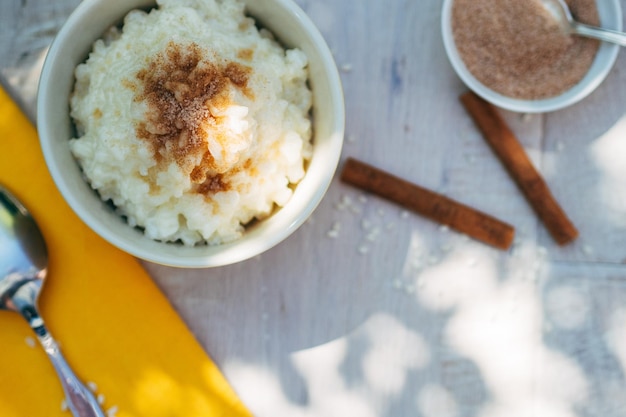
23, 269
561, 12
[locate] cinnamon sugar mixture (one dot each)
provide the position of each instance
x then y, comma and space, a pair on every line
181, 87
515, 47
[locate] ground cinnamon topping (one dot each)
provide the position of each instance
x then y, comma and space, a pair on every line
245, 54
180, 86
517, 48
213, 185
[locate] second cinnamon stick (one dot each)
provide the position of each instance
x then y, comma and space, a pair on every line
435, 206
513, 156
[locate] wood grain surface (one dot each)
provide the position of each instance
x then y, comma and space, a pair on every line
369, 310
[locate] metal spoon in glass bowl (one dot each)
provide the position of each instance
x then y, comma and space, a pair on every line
560, 10
23, 267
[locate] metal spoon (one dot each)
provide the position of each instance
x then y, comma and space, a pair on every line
23, 267
560, 10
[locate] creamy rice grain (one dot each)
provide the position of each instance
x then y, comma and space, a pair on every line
192, 121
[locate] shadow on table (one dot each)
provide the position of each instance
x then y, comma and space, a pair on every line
457, 329
471, 334
584, 312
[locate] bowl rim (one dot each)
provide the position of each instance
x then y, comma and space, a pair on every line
251, 244
602, 65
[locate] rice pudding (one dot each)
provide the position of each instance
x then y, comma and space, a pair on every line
192, 121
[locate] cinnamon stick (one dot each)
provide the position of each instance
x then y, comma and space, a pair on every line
516, 161
432, 205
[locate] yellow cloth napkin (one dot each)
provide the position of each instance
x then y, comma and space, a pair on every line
115, 327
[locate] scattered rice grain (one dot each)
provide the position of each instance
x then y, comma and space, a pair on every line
333, 234
373, 234
363, 249
112, 411
346, 199
346, 68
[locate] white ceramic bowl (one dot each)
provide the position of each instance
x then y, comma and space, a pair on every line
71, 47
610, 17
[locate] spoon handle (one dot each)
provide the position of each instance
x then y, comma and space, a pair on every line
602, 34
79, 398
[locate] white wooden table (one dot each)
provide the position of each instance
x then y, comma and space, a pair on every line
397, 316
